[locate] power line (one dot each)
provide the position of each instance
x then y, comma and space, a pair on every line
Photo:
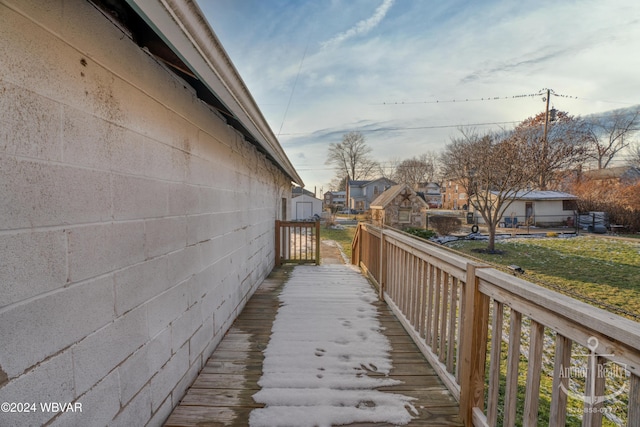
398, 128
490, 98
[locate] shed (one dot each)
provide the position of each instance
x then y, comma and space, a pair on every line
305, 207
540, 208
400, 207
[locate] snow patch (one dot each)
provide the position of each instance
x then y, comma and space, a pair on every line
325, 340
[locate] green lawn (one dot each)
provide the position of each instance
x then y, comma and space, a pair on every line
343, 236
600, 271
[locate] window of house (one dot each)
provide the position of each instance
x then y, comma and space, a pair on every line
404, 215
569, 205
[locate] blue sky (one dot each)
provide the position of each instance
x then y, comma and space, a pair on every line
392, 69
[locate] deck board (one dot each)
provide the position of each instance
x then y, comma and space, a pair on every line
222, 393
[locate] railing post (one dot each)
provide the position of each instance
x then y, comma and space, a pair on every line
278, 260
473, 347
318, 242
381, 265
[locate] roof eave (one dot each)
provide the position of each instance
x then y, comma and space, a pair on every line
185, 30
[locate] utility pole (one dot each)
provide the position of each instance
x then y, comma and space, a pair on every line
545, 146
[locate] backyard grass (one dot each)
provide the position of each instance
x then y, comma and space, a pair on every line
601, 271
343, 236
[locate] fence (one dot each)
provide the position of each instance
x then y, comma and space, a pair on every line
297, 242
481, 328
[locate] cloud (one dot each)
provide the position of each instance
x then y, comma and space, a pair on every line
361, 27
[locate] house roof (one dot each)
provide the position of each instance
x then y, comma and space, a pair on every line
613, 173
297, 191
364, 183
387, 196
178, 34
543, 195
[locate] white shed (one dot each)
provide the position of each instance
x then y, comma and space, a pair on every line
540, 208
305, 207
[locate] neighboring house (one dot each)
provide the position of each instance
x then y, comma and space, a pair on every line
539, 208
305, 207
399, 207
454, 195
335, 200
298, 191
140, 186
362, 193
431, 193
619, 174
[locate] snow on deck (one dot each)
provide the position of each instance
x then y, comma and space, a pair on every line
313, 346
326, 338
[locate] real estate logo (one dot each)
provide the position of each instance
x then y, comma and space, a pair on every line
592, 373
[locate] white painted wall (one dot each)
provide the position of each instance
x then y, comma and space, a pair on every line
304, 207
134, 223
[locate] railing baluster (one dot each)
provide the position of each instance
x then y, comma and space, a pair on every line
424, 287
436, 313
431, 286
494, 363
558, 411
593, 391
451, 340
444, 313
513, 359
534, 369
634, 401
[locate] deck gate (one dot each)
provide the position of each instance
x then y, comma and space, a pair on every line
297, 242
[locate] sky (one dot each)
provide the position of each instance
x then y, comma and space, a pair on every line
325, 337
409, 74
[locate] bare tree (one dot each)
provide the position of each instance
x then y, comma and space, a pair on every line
387, 169
634, 155
610, 134
352, 157
563, 146
414, 171
493, 169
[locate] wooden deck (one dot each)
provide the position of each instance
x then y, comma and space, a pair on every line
222, 393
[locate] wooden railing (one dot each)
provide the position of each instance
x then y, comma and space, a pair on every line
494, 338
297, 242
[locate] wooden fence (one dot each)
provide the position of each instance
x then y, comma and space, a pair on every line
297, 242
494, 338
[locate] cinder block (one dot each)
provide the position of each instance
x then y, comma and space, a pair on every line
51, 381
183, 327
169, 375
99, 405
137, 412
30, 125
164, 235
39, 194
166, 307
185, 382
102, 351
33, 331
137, 198
184, 199
89, 140
183, 264
139, 283
199, 341
101, 248
199, 228
138, 369
161, 414
32, 263
163, 161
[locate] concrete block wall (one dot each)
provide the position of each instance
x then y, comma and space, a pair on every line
134, 223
